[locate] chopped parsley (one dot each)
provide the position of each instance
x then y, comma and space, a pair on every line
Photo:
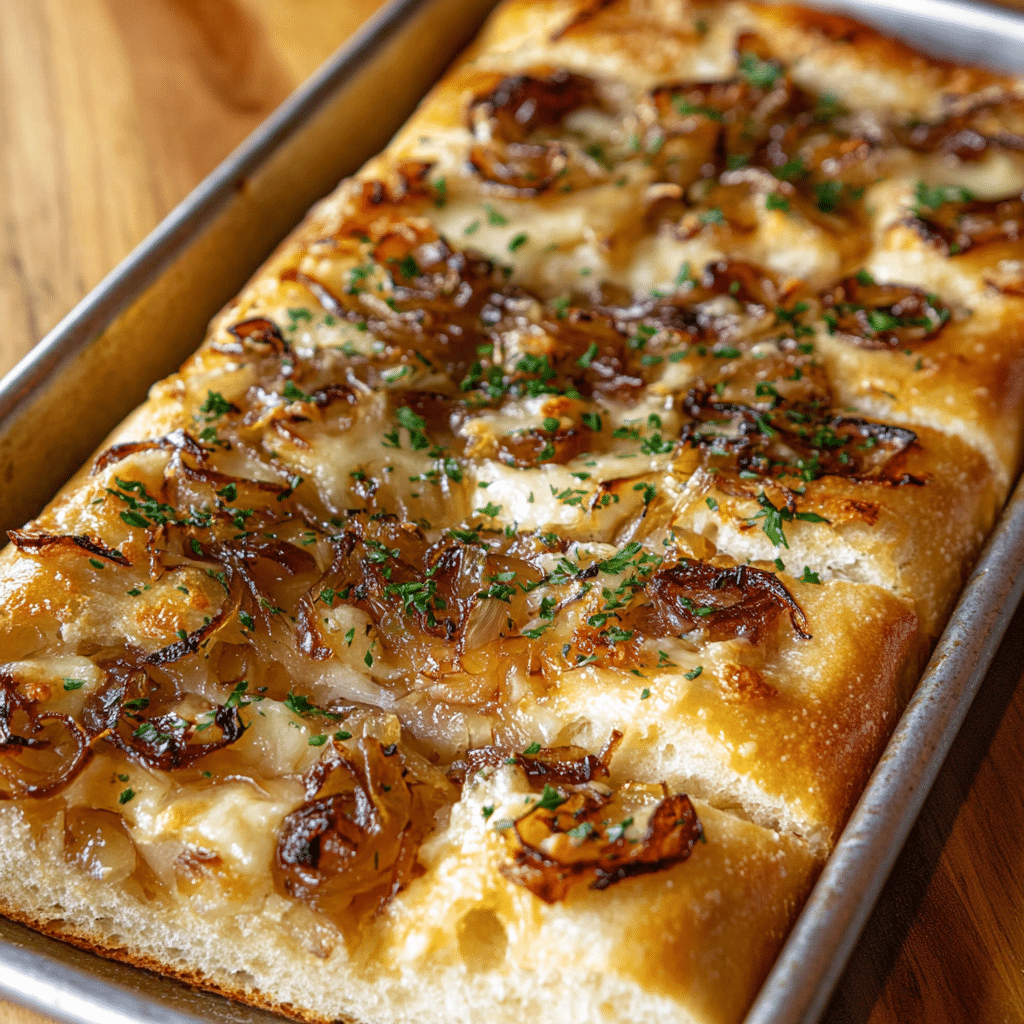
418, 597
649, 491
621, 560
790, 170
761, 74
684, 277
773, 519
293, 393
581, 831
560, 304
931, 197
502, 587
827, 195
494, 217
550, 798
684, 107
415, 425
657, 445
298, 704
215, 406
588, 357
133, 518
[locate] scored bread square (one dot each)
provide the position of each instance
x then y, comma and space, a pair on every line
663, 944
917, 537
502, 611
785, 732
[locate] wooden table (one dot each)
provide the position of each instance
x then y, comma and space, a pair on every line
111, 110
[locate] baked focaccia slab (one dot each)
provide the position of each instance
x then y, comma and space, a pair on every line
503, 610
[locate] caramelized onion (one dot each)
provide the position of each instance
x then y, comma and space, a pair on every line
408, 180
679, 317
746, 282
558, 765
980, 124
323, 294
331, 393
521, 104
883, 316
191, 642
38, 542
801, 441
166, 742
39, 753
536, 447
98, 843
702, 123
424, 599
508, 119
125, 681
356, 840
177, 442
260, 331
957, 227
521, 169
679, 105
757, 133
742, 602
159, 738
559, 847
273, 575
438, 299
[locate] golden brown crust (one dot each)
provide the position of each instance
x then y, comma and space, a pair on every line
625, 430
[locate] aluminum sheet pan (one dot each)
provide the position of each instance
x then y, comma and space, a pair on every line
151, 312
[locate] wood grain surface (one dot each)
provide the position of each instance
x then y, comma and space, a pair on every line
112, 110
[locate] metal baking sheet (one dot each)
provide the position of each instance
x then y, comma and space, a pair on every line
151, 312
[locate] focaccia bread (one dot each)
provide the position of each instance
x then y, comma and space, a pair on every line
500, 614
